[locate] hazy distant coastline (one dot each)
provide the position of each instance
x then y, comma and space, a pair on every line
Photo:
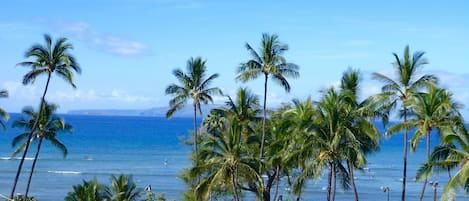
154, 112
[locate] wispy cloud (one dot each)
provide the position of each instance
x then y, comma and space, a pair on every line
109, 43
115, 95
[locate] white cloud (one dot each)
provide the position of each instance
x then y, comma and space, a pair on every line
90, 96
109, 43
17, 89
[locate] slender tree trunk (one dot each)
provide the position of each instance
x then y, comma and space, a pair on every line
196, 160
329, 182
234, 182
352, 179
33, 166
449, 173
334, 176
299, 192
277, 173
25, 152
428, 158
404, 177
195, 133
268, 187
264, 117
261, 154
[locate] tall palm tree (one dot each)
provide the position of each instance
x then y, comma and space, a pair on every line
269, 62
402, 89
3, 114
433, 109
238, 114
122, 188
364, 132
47, 59
49, 126
298, 152
193, 85
331, 124
225, 162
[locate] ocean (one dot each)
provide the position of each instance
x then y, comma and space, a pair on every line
152, 150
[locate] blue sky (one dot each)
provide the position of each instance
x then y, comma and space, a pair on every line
127, 49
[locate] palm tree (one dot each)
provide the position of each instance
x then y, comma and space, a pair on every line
48, 59
456, 146
298, 152
193, 85
122, 188
3, 114
364, 132
433, 109
88, 191
245, 109
49, 126
225, 162
403, 89
270, 63
240, 114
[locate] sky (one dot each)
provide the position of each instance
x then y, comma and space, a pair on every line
128, 49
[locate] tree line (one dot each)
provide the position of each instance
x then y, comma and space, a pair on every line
243, 147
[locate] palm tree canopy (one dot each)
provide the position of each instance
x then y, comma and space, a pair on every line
49, 126
49, 58
268, 61
122, 188
192, 85
407, 82
88, 191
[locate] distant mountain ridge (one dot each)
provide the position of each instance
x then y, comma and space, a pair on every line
186, 111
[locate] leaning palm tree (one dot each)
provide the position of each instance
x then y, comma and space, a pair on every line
3, 114
270, 63
402, 90
122, 188
47, 60
49, 126
193, 85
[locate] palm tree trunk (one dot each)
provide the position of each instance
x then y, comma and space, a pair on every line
352, 179
264, 117
278, 182
329, 182
196, 160
404, 177
334, 170
428, 158
268, 187
25, 152
234, 183
299, 192
449, 173
33, 166
261, 154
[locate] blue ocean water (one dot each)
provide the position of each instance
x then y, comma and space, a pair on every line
151, 149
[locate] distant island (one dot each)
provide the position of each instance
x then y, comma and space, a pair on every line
187, 111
